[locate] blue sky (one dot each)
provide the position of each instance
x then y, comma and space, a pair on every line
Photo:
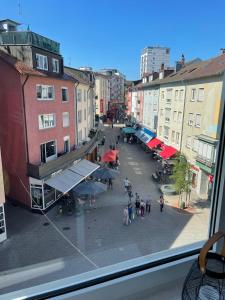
111, 33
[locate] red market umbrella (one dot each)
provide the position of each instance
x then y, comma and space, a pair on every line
110, 156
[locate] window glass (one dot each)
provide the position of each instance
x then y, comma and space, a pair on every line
45, 92
55, 65
201, 94
66, 119
41, 62
46, 121
65, 96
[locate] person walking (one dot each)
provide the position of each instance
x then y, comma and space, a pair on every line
118, 138
142, 205
148, 206
126, 183
137, 204
130, 212
130, 195
110, 182
161, 203
125, 216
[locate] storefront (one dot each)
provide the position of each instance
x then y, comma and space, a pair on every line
47, 191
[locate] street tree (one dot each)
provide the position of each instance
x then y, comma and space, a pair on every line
182, 178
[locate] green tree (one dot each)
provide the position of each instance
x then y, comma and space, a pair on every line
182, 178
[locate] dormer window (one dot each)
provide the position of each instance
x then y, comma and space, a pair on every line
41, 62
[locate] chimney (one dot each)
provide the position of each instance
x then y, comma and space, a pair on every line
182, 59
222, 51
178, 66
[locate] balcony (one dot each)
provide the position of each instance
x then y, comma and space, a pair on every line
29, 38
43, 170
205, 164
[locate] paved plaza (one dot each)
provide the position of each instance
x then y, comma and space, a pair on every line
96, 237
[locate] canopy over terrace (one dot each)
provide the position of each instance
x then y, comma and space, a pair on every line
168, 152
154, 143
72, 176
110, 156
128, 130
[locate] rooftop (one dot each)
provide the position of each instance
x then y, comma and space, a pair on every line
79, 75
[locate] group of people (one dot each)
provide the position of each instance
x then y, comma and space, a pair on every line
141, 207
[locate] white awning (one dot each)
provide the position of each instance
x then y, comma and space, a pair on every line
64, 181
69, 178
84, 167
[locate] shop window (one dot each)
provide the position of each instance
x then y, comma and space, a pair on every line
36, 195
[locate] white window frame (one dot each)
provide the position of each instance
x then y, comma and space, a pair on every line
46, 116
190, 120
179, 117
46, 87
66, 138
198, 124
79, 95
55, 65
193, 94
42, 59
181, 95
189, 142
201, 99
65, 124
177, 140
67, 94
52, 156
79, 116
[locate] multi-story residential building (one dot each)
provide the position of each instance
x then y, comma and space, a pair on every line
204, 95
38, 123
189, 105
102, 93
116, 79
152, 58
84, 103
2, 201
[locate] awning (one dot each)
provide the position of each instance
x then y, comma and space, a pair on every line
64, 181
84, 168
69, 178
168, 152
154, 143
110, 156
128, 130
144, 137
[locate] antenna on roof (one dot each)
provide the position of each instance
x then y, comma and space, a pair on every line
19, 7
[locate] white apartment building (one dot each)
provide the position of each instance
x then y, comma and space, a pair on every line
150, 106
102, 93
152, 58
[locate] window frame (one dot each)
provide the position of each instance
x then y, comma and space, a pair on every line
46, 86
38, 55
67, 94
54, 60
48, 127
191, 122
67, 114
198, 125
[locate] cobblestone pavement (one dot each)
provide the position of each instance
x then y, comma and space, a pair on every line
97, 236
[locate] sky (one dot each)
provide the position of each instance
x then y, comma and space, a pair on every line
112, 33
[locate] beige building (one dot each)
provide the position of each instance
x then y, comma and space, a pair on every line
188, 116
102, 94
2, 201
84, 102
170, 113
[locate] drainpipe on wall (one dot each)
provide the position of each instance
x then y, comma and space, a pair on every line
24, 117
75, 106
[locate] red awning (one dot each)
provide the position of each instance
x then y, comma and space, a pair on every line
154, 143
168, 152
110, 156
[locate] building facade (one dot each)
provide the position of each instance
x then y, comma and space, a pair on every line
102, 94
152, 59
38, 118
3, 235
84, 102
116, 79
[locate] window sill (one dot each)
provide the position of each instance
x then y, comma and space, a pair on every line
120, 281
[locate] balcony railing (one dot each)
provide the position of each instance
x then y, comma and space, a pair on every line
29, 38
209, 163
43, 170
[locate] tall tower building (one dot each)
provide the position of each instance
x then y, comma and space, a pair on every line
152, 58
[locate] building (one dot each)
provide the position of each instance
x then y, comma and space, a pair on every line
102, 94
189, 104
38, 122
117, 91
152, 58
3, 235
85, 102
